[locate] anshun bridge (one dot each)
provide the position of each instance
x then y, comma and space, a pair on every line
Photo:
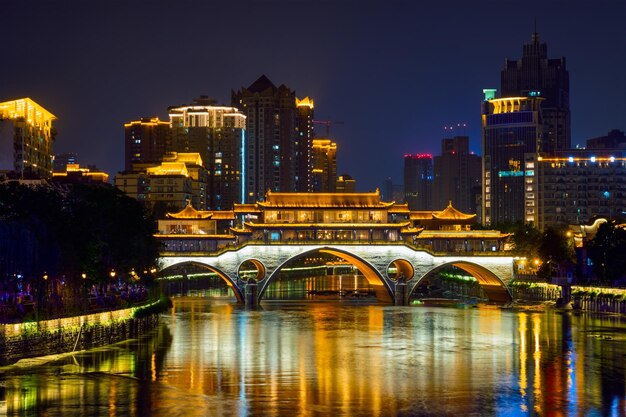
394, 248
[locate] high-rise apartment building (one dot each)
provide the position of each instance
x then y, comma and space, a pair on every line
270, 130
512, 131
457, 175
536, 74
145, 141
576, 185
418, 181
26, 137
304, 144
218, 134
324, 172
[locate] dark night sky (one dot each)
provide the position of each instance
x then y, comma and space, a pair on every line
394, 72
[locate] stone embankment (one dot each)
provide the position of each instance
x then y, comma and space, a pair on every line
592, 299
32, 339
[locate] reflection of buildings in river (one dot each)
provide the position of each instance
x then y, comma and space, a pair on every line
561, 370
81, 384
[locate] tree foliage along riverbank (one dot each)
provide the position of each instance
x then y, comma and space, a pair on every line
74, 236
554, 247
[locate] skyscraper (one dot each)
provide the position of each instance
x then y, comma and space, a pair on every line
324, 165
217, 133
418, 181
536, 74
457, 175
26, 136
145, 141
270, 130
512, 131
303, 144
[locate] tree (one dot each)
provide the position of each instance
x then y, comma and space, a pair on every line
555, 250
527, 240
607, 251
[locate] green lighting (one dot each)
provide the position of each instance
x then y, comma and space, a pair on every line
510, 174
490, 93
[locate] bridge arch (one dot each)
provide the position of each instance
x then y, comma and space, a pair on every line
258, 265
213, 269
492, 285
370, 272
403, 268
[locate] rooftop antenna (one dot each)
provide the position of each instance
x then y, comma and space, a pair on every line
535, 34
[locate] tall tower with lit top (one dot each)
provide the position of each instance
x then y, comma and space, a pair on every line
534, 74
512, 134
303, 144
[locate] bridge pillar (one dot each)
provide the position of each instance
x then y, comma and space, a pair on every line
400, 294
251, 292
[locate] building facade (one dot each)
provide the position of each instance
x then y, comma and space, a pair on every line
75, 173
512, 130
579, 185
304, 144
26, 138
61, 161
345, 184
457, 175
324, 171
536, 74
270, 161
418, 181
145, 141
217, 134
180, 178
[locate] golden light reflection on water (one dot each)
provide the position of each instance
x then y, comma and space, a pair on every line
215, 358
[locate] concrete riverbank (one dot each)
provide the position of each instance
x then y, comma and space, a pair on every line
35, 339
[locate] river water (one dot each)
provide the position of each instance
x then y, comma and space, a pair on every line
212, 357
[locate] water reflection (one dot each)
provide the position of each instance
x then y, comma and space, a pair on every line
339, 358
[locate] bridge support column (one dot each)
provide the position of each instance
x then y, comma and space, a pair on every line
400, 296
251, 290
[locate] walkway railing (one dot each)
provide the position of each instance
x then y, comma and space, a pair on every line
427, 249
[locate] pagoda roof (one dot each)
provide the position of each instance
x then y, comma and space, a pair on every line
245, 208
450, 213
421, 215
190, 213
324, 200
399, 208
411, 230
327, 226
222, 214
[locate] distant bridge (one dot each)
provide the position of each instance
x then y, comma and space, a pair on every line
492, 270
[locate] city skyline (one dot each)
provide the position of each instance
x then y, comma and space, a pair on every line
393, 74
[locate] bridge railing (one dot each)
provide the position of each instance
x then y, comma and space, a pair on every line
424, 248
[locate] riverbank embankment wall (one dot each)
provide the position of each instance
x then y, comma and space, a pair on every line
32, 339
602, 300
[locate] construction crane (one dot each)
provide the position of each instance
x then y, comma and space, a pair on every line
327, 123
